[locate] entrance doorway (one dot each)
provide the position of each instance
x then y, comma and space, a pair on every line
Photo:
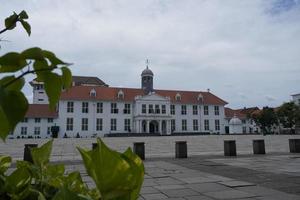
153, 127
163, 127
227, 129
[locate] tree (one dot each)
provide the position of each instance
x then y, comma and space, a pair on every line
14, 66
288, 115
265, 119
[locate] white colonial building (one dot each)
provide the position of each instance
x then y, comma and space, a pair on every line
90, 108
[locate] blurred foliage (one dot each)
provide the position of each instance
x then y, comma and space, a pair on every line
117, 176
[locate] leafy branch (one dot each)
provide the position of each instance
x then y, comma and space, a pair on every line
24, 74
13, 103
11, 22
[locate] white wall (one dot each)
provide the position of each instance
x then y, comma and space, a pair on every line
31, 124
92, 115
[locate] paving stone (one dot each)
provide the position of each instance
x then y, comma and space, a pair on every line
207, 187
180, 192
198, 180
148, 190
229, 194
261, 191
149, 182
167, 181
236, 183
168, 187
198, 197
154, 196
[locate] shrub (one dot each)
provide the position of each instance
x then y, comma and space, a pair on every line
117, 176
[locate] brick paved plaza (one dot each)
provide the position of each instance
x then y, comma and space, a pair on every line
206, 174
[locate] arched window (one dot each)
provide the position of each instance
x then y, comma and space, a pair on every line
93, 93
120, 94
178, 97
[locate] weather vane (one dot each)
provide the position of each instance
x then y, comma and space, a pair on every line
147, 62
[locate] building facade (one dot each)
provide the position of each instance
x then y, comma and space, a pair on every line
90, 108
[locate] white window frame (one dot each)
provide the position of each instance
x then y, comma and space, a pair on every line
217, 125
195, 125
206, 125
127, 125
85, 107
69, 124
184, 125
84, 124
99, 124
99, 107
70, 107
113, 124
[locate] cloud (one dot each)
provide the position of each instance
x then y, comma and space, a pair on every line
270, 98
232, 47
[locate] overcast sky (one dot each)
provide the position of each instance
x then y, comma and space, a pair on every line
247, 52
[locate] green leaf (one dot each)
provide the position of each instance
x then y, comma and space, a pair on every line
34, 53
5, 162
10, 22
13, 107
26, 26
40, 65
41, 155
113, 175
52, 58
66, 77
66, 194
137, 167
53, 87
23, 15
12, 62
4, 125
16, 85
17, 181
55, 170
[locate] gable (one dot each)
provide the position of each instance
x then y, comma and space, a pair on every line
151, 97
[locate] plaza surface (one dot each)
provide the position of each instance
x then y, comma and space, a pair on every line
206, 174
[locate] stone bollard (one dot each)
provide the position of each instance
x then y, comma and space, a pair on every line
259, 147
180, 149
294, 145
139, 149
229, 148
27, 152
95, 145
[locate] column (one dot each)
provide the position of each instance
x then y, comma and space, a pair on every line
168, 127
159, 127
147, 126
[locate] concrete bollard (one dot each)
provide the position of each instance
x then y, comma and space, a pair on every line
259, 147
229, 148
95, 145
139, 149
27, 152
294, 145
180, 149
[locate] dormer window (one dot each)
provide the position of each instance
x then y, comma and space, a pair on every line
178, 97
200, 98
93, 93
120, 94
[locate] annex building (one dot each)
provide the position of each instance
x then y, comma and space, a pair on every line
91, 108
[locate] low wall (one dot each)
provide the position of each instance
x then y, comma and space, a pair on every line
160, 146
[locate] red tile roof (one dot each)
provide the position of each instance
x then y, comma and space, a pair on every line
41, 111
110, 94
240, 113
229, 113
